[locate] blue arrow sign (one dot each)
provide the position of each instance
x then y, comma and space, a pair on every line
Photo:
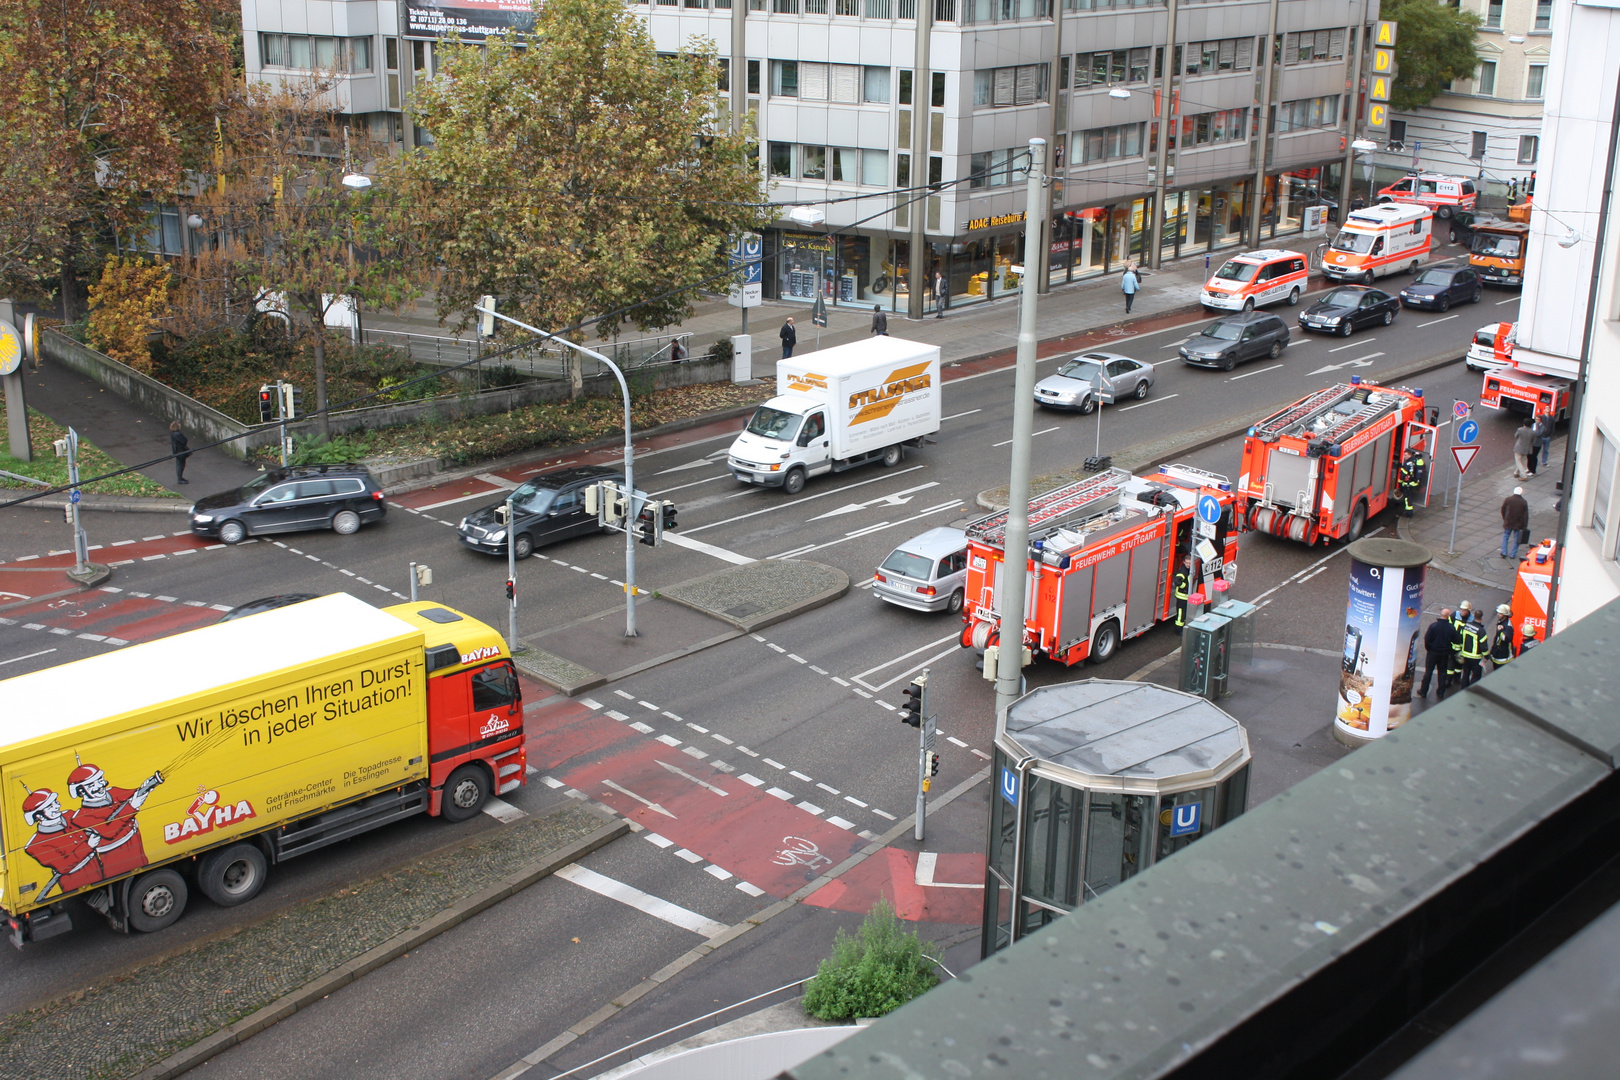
1209, 509
1468, 431
73, 496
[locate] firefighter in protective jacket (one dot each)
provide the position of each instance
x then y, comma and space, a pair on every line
1502, 643
1183, 586
1409, 483
1472, 651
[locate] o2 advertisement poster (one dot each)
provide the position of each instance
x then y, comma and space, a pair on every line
472, 19
1381, 631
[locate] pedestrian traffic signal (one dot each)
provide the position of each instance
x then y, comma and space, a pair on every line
911, 710
511, 589
933, 765
292, 401
667, 509
267, 404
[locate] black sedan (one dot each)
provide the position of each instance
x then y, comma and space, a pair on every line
1348, 308
549, 508
1438, 288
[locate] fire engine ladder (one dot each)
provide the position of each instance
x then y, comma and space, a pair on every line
1277, 423
1054, 507
1362, 416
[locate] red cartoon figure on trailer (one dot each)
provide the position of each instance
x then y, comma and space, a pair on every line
109, 813
68, 852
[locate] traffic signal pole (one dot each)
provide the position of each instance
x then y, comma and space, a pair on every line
631, 509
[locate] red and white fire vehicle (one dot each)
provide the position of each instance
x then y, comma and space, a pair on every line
1319, 468
1102, 559
1517, 388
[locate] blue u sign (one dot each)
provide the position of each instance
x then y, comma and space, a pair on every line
1185, 819
1009, 785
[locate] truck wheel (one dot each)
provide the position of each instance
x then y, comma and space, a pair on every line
1106, 643
794, 482
232, 875
232, 532
522, 546
156, 900
464, 793
1358, 522
891, 456
345, 522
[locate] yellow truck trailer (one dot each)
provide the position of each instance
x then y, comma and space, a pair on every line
202, 759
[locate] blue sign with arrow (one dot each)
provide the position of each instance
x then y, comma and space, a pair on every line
1468, 432
1209, 509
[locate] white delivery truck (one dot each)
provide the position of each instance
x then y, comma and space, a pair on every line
839, 408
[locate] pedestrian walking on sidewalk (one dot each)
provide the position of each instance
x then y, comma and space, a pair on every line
1437, 652
1129, 284
1544, 433
181, 449
789, 336
1524, 442
880, 322
1515, 521
942, 294
1502, 643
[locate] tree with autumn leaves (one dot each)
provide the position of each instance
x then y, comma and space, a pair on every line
579, 177
105, 103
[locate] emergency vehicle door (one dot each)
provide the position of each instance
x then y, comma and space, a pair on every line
1417, 430
1111, 586
1074, 615
1383, 467
1142, 596
1291, 479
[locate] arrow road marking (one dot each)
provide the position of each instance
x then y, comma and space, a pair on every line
919, 515
926, 862
897, 499
797, 501
1360, 361
696, 464
678, 771
649, 804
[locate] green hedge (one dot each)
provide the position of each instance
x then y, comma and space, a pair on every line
873, 973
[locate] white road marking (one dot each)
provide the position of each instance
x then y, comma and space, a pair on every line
898, 498
690, 856
1149, 401
958, 416
785, 796
773, 763
857, 802
658, 908
682, 487
1043, 431
858, 533
842, 823
861, 678
460, 499
723, 875
502, 811
751, 780
1360, 361
590, 703
805, 499
927, 861
751, 890
1262, 371
1509, 300
797, 775
1432, 322
660, 841
811, 808
30, 656
1341, 348
648, 803
678, 771
884, 814
954, 740
708, 549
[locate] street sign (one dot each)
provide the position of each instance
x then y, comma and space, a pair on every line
1206, 529
1468, 431
73, 496
1209, 509
1464, 456
747, 255
1009, 785
1461, 409
1184, 820
1100, 391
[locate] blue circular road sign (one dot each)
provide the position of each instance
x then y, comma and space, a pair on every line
1209, 509
1468, 431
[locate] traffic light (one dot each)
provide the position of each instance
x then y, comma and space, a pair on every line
911, 710
647, 525
292, 401
614, 506
501, 512
933, 765
267, 404
511, 589
593, 501
667, 509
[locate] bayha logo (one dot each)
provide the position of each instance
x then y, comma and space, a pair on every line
806, 382
208, 812
480, 653
493, 726
880, 400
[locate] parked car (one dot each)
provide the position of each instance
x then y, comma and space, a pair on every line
266, 603
336, 497
925, 573
1482, 355
1461, 226
1226, 343
1348, 308
549, 508
1071, 386
1441, 286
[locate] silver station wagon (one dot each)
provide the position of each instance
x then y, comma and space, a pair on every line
925, 573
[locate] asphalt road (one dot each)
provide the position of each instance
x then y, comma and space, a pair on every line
804, 697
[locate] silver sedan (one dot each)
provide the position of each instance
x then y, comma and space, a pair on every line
1073, 385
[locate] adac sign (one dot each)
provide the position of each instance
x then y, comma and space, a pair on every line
995, 220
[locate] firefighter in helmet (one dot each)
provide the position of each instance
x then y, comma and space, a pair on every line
1414, 472
1183, 585
1472, 651
1502, 642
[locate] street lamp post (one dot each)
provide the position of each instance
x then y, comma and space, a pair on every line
631, 510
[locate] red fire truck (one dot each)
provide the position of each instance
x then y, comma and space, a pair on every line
1520, 389
1102, 560
1319, 468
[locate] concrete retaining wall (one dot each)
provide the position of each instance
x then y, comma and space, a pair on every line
208, 424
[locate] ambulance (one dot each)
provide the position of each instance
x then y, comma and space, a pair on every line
1255, 279
1442, 194
1102, 559
1378, 241
1320, 468
1532, 589
198, 761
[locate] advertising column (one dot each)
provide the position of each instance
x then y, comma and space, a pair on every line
1381, 631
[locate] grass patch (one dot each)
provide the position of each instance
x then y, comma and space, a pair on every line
46, 466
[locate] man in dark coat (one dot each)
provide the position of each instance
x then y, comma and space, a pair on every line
181, 449
789, 336
880, 322
1515, 519
1437, 649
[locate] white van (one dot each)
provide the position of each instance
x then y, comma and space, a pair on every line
838, 408
1378, 241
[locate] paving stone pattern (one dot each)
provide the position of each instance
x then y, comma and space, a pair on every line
117, 1028
749, 593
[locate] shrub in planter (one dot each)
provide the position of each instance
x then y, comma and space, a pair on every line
873, 973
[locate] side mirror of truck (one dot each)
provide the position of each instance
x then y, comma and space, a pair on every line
804, 439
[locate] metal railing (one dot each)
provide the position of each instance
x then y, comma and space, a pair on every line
534, 362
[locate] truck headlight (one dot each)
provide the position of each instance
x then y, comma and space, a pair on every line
202, 519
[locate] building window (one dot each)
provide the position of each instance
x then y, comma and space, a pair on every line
1107, 144
1001, 87
877, 85
1605, 485
1528, 145
1477, 150
1121, 66
1485, 82
813, 162
816, 82
1397, 131
315, 53
875, 168
781, 159
1493, 15
1306, 113
1310, 46
1535, 81
784, 78
1543, 14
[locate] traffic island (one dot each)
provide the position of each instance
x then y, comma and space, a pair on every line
169, 1016
677, 622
